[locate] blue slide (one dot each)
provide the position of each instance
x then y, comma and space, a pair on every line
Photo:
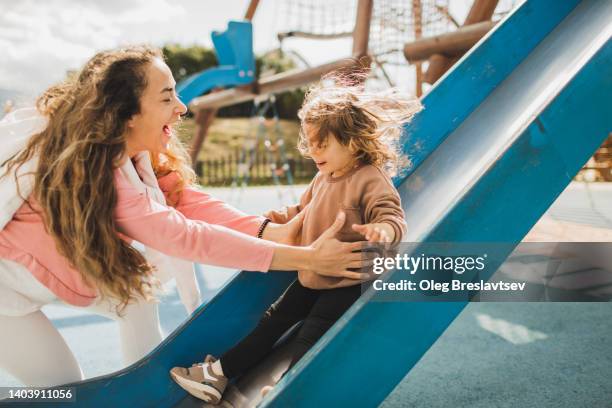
234, 49
500, 137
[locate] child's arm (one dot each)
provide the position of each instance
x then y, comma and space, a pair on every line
382, 208
384, 211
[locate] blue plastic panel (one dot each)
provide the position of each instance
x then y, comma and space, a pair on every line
234, 48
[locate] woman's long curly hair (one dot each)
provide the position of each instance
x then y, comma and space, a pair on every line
369, 123
78, 152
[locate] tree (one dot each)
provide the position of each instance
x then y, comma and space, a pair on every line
184, 61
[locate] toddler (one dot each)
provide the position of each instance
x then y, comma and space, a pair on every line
352, 137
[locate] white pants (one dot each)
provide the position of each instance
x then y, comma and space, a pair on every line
33, 350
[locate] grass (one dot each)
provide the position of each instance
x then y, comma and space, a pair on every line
226, 135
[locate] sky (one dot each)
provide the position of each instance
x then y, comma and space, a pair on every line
41, 40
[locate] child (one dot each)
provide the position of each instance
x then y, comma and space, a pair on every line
350, 134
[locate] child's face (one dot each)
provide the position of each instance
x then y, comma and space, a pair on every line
330, 157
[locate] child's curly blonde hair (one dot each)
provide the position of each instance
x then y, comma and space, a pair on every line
368, 123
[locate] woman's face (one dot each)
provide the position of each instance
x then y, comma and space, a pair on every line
160, 109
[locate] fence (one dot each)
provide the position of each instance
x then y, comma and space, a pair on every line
225, 170
599, 167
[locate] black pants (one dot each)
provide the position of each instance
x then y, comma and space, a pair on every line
318, 308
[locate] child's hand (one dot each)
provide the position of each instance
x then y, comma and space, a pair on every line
380, 232
287, 233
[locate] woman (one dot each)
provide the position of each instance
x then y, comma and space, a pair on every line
71, 239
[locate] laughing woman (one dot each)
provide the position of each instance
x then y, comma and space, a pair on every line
107, 171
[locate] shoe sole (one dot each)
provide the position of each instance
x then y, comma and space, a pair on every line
198, 390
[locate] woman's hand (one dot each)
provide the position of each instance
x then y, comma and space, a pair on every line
331, 257
326, 256
288, 233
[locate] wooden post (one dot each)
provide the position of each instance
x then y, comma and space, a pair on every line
361, 33
482, 10
251, 10
451, 44
273, 84
203, 119
417, 17
217, 170
199, 168
438, 65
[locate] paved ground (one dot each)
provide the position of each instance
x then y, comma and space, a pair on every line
494, 354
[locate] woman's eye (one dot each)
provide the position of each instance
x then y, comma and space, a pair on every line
167, 100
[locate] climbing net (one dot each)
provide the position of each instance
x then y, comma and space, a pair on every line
393, 23
396, 22
317, 18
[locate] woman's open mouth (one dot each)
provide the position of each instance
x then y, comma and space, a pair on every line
167, 130
321, 163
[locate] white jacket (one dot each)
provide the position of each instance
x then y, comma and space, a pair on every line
17, 127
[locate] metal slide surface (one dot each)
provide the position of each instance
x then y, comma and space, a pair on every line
501, 136
489, 180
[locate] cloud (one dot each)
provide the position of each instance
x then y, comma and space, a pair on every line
41, 41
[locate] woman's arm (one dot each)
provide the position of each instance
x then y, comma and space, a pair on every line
167, 230
195, 204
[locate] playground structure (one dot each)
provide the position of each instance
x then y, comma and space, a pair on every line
485, 168
272, 139
236, 62
379, 29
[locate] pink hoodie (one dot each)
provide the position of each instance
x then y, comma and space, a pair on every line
200, 228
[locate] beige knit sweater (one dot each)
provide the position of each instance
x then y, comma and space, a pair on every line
365, 194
